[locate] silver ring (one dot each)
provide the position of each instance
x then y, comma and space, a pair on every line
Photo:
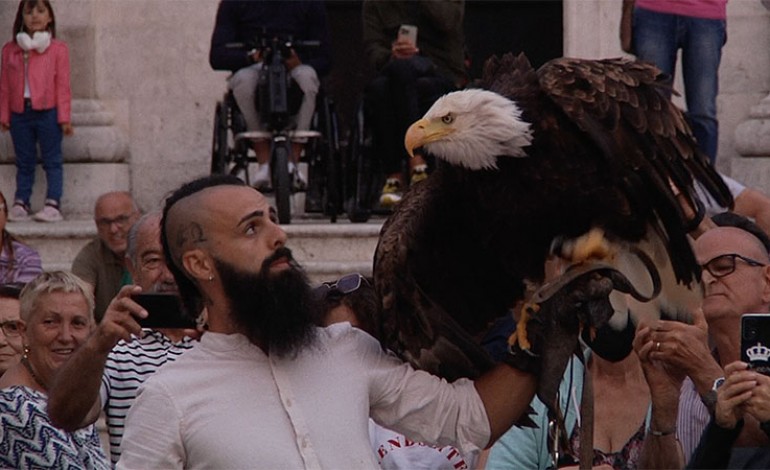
657, 346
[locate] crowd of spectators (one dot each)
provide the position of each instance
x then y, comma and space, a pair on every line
280, 375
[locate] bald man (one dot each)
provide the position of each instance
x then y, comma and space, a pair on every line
267, 387
101, 262
736, 280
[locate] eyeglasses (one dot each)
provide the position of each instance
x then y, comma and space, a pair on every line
121, 220
11, 327
342, 286
723, 265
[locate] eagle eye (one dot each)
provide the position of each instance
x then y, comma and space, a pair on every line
447, 119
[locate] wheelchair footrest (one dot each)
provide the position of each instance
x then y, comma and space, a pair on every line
294, 136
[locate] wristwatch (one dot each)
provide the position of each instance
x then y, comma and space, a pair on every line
710, 398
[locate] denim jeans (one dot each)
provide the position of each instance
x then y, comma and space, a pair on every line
656, 39
28, 129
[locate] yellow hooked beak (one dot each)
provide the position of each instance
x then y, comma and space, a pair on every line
424, 132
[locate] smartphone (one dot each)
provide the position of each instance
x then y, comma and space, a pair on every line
164, 311
755, 341
408, 32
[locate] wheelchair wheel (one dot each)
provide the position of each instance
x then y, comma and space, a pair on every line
330, 152
281, 181
219, 151
358, 172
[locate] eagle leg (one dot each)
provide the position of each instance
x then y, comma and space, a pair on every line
520, 334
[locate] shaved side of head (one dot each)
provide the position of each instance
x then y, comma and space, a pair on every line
185, 225
183, 229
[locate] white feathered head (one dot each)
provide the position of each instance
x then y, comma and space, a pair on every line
471, 128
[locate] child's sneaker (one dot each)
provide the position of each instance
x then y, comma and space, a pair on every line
19, 212
49, 213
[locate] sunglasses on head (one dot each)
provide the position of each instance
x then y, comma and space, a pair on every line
342, 286
723, 265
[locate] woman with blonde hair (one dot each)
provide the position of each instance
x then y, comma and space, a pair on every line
56, 318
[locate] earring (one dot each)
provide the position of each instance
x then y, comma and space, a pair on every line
26, 351
211, 277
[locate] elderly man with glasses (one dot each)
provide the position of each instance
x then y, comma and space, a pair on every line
101, 262
736, 280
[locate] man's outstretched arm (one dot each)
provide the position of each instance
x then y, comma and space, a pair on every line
74, 400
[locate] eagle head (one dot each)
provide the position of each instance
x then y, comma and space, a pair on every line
471, 128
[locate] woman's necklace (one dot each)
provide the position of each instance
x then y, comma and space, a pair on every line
25, 363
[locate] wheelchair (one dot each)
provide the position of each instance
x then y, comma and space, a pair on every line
232, 142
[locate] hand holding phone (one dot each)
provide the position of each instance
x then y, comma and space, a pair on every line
164, 311
407, 33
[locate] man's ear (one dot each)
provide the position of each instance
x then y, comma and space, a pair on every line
198, 264
766, 289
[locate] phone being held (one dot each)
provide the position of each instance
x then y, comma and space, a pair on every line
408, 33
755, 341
164, 310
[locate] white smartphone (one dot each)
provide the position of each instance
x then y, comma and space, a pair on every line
408, 32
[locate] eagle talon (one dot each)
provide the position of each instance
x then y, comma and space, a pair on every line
520, 334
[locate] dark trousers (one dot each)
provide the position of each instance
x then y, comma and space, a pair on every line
400, 95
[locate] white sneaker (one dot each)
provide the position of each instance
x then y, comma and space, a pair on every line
49, 213
18, 213
261, 179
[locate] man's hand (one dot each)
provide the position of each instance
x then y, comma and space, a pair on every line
734, 394
120, 320
684, 347
759, 404
292, 61
403, 49
67, 129
4, 127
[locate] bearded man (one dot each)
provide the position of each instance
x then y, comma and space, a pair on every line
266, 387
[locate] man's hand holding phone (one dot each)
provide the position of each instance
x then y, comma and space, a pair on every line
405, 45
120, 321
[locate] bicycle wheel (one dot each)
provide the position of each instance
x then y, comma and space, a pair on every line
281, 180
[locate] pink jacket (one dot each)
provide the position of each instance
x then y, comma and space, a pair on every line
49, 80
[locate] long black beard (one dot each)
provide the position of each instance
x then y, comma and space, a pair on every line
278, 310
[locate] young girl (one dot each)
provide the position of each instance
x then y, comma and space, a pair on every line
35, 102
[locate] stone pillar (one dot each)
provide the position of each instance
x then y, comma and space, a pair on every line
96, 156
752, 142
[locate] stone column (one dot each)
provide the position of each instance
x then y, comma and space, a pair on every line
96, 157
752, 141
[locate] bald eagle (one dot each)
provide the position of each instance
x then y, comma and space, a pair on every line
530, 157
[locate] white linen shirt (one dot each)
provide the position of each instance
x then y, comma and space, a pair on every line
226, 404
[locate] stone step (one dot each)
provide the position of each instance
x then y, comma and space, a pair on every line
326, 250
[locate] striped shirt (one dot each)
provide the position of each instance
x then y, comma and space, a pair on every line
26, 264
128, 366
692, 420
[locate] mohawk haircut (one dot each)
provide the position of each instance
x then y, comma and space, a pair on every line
188, 291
